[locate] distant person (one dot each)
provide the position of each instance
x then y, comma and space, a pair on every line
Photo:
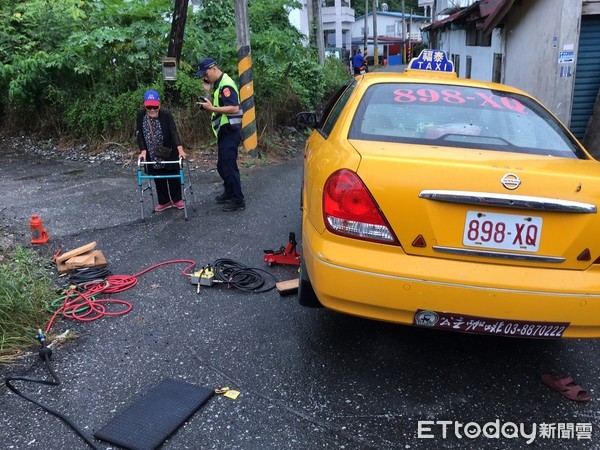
357, 62
156, 128
226, 122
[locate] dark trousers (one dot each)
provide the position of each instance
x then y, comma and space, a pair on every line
167, 189
227, 167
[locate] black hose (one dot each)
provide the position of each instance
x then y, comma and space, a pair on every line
247, 279
45, 354
85, 275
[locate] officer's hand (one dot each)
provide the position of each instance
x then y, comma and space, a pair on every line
204, 104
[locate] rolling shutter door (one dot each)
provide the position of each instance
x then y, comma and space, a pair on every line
587, 74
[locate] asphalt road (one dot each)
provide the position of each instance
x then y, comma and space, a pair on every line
307, 379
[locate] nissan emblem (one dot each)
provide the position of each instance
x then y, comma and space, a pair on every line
510, 181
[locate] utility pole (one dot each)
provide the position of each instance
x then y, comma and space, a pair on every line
404, 60
246, 74
365, 33
409, 33
375, 46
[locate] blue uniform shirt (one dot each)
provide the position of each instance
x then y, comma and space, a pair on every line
357, 60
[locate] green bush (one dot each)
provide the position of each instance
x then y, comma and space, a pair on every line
26, 289
78, 69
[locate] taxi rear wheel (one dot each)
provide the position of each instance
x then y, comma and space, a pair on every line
306, 294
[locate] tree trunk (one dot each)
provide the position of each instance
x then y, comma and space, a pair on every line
315, 28
176, 43
177, 29
320, 38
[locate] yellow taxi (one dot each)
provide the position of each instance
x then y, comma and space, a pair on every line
451, 204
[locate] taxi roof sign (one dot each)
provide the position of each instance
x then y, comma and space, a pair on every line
432, 61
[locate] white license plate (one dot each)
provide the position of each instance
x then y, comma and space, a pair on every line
502, 231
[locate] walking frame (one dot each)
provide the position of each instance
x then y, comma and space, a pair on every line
143, 175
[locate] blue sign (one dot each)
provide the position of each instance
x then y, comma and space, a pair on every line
433, 61
566, 57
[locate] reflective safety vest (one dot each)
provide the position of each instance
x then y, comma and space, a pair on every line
218, 120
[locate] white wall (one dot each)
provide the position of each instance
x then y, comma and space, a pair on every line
532, 50
482, 58
299, 20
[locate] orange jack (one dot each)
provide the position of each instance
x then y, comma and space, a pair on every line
39, 235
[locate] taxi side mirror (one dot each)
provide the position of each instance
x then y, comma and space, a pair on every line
306, 119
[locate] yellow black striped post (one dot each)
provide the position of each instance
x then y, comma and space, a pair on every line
249, 135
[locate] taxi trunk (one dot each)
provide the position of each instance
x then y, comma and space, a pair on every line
460, 209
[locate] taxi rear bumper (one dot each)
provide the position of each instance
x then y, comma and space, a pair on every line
382, 282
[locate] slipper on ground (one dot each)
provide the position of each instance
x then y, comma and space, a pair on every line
567, 387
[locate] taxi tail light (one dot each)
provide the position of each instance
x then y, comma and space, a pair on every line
350, 210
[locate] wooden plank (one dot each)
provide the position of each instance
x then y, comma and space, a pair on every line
99, 261
75, 252
85, 260
287, 287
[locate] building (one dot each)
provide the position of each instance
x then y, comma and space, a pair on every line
427, 6
394, 35
389, 24
549, 48
342, 31
337, 19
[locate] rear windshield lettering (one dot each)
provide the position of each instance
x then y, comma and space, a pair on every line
455, 97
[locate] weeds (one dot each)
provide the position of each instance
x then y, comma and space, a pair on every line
25, 290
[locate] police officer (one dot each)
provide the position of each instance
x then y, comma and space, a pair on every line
226, 122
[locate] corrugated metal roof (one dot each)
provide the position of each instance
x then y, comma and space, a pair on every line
496, 13
489, 14
456, 17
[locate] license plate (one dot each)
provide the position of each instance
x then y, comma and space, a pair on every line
502, 231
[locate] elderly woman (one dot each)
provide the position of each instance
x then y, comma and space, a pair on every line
156, 128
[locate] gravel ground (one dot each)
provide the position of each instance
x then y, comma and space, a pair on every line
288, 140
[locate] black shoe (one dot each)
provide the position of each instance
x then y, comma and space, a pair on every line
234, 206
223, 198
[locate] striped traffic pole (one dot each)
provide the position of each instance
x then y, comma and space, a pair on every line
249, 135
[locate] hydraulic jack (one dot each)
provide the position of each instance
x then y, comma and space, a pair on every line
285, 255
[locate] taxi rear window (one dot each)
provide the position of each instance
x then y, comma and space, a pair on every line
459, 116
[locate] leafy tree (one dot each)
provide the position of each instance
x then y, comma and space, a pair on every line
78, 67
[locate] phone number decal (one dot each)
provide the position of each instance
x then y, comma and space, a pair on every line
485, 325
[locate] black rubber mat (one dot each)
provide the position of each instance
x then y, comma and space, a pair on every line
154, 417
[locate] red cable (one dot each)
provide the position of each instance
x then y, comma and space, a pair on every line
84, 307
